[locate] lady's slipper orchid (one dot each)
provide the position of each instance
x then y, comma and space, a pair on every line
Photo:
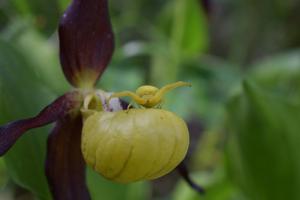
86, 47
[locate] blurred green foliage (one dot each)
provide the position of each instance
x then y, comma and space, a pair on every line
264, 120
240, 56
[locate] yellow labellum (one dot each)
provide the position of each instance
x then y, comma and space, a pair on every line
133, 145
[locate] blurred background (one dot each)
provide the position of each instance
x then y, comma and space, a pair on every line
243, 111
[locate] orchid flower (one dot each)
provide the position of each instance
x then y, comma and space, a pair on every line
86, 44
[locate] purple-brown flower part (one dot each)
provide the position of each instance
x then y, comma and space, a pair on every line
11, 132
86, 41
184, 172
65, 167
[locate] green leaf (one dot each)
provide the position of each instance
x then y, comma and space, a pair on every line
44, 14
184, 24
189, 31
3, 174
279, 74
43, 59
263, 150
182, 35
101, 188
23, 96
41, 54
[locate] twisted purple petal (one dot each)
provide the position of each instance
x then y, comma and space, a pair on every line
65, 167
184, 172
11, 132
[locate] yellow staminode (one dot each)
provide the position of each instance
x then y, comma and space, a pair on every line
149, 96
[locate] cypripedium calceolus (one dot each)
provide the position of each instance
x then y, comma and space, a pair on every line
91, 126
134, 144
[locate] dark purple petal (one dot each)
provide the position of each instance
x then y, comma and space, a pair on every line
11, 132
65, 167
183, 171
86, 41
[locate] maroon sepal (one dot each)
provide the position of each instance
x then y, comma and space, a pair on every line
11, 132
65, 167
86, 41
183, 171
